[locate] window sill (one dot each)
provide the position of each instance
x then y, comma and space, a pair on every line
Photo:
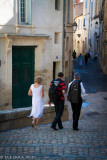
24, 26
57, 10
68, 25
57, 43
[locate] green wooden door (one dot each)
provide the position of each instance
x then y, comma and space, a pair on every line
22, 75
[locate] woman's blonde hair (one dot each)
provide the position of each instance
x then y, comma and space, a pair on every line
39, 79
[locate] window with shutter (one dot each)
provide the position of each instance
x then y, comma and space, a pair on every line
84, 22
57, 5
24, 11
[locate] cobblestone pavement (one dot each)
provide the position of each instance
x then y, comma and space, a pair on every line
95, 83
89, 143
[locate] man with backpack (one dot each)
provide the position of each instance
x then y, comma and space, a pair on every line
75, 89
56, 95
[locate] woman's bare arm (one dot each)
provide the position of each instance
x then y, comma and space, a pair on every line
30, 92
42, 92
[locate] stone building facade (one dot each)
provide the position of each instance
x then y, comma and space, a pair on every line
86, 10
94, 42
87, 19
98, 31
82, 36
94, 32
31, 33
103, 34
78, 37
68, 40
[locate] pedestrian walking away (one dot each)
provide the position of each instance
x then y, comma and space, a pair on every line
89, 57
58, 101
95, 57
37, 92
74, 95
86, 58
80, 58
74, 54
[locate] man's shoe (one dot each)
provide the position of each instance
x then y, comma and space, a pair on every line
76, 129
54, 128
61, 127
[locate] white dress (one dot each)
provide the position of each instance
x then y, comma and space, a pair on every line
37, 102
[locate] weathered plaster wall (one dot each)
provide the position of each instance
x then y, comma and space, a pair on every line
3, 85
45, 22
43, 65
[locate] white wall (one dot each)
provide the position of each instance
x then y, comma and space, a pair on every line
45, 21
2, 71
7, 12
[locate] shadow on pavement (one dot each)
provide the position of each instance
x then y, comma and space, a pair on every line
92, 76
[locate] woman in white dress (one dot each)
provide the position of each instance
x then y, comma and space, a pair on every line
37, 92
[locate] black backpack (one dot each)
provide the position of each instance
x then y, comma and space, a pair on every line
53, 91
74, 93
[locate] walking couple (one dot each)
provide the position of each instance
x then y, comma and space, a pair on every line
56, 95
75, 89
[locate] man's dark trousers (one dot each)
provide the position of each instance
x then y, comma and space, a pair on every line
76, 108
59, 107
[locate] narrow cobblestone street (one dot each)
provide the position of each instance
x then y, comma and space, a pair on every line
89, 143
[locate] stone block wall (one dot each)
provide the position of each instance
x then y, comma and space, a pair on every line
17, 118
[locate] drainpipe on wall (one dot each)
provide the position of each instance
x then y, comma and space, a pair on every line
63, 44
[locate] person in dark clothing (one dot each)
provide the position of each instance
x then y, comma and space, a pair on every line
76, 107
95, 57
74, 54
86, 59
59, 106
89, 57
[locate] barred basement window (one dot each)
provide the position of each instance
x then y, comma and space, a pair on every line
24, 11
57, 5
57, 38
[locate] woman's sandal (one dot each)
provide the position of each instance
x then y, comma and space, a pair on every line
35, 127
33, 124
